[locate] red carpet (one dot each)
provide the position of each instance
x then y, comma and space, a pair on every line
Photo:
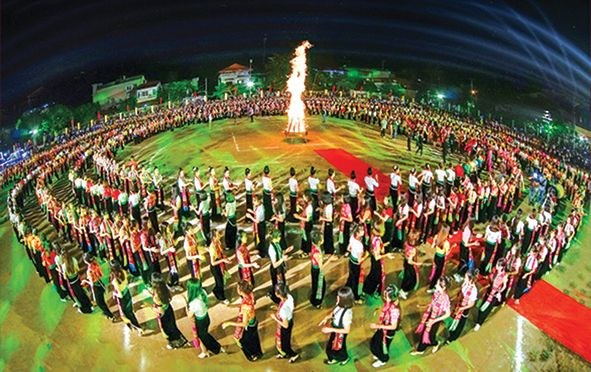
559, 316
345, 162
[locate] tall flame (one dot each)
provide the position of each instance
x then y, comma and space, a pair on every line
296, 122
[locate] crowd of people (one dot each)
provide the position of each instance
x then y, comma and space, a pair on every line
152, 229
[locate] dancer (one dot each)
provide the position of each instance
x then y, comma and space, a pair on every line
277, 268
313, 182
385, 327
354, 190
293, 194
410, 275
284, 320
123, 297
197, 306
317, 272
375, 282
341, 318
492, 238
267, 191
345, 220
357, 255
437, 311
442, 249
371, 183
466, 300
465, 249
167, 249
327, 229
161, 297
526, 278
68, 266
307, 223
94, 275
231, 230
494, 295
48, 257
244, 261
246, 333
257, 216
217, 266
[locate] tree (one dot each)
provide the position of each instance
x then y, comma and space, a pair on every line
277, 69
86, 112
50, 119
220, 90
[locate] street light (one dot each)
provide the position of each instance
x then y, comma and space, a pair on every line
250, 84
440, 96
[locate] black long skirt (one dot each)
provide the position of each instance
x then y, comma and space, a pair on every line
211, 344
378, 347
409, 277
80, 296
250, 342
339, 355
373, 281
169, 328
328, 238
318, 288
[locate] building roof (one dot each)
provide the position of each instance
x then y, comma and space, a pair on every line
148, 84
234, 67
122, 80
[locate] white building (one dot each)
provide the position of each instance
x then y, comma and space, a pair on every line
234, 74
147, 91
116, 91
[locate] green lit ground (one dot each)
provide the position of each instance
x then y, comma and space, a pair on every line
37, 331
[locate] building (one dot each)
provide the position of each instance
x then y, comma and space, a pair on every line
147, 91
116, 91
235, 74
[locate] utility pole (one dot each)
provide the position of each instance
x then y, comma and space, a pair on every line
205, 87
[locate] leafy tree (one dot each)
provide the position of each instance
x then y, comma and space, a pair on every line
277, 69
86, 112
221, 89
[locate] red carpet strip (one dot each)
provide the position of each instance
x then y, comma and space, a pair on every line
345, 162
553, 312
559, 316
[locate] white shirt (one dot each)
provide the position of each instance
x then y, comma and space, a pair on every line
134, 199
197, 183
353, 188
248, 185
181, 183
286, 309
532, 223
451, 175
328, 212
395, 179
440, 175
346, 314
371, 183
293, 185
330, 186
198, 307
313, 182
493, 237
356, 248
427, 176
466, 234
412, 181
267, 183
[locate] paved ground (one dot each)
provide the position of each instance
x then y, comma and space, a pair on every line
38, 331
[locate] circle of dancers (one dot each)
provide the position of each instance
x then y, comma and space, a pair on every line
152, 230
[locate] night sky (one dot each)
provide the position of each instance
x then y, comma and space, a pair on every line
65, 45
